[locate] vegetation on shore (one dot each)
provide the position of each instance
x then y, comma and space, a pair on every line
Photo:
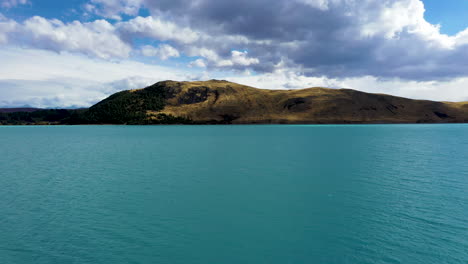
38, 117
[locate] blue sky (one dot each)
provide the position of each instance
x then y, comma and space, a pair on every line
74, 53
68, 10
451, 14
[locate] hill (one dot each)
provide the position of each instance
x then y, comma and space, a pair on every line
226, 102
222, 102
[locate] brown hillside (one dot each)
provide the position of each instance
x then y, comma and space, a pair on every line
225, 102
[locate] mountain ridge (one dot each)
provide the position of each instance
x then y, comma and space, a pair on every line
223, 102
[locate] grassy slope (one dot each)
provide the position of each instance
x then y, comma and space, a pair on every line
223, 101
214, 101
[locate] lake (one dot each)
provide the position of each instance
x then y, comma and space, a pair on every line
274, 194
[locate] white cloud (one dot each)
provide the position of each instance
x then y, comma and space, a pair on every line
241, 58
163, 51
405, 16
451, 90
337, 38
372, 45
388, 38
200, 63
157, 29
461, 38
6, 27
48, 79
113, 8
13, 3
238, 58
209, 54
97, 38
94, 38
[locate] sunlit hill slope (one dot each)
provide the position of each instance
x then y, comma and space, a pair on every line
222, 102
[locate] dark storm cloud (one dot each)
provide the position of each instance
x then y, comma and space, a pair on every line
332, 38
336, 38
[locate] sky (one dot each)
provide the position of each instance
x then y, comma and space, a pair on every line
74, 53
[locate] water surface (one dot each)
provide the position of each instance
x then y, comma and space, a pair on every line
234, 194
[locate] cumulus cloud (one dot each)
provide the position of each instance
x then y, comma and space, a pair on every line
238, 58
156, 28
370, 45
113, 8
241, 58
6, 27
449, 90
12, 3
163, 51
334, 38
200, 63
97, 38
48, 79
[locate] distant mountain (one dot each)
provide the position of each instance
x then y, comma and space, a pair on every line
22, 109
222, 102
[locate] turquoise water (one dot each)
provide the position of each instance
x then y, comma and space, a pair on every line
234, 194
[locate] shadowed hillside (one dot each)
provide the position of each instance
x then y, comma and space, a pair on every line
222, 102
